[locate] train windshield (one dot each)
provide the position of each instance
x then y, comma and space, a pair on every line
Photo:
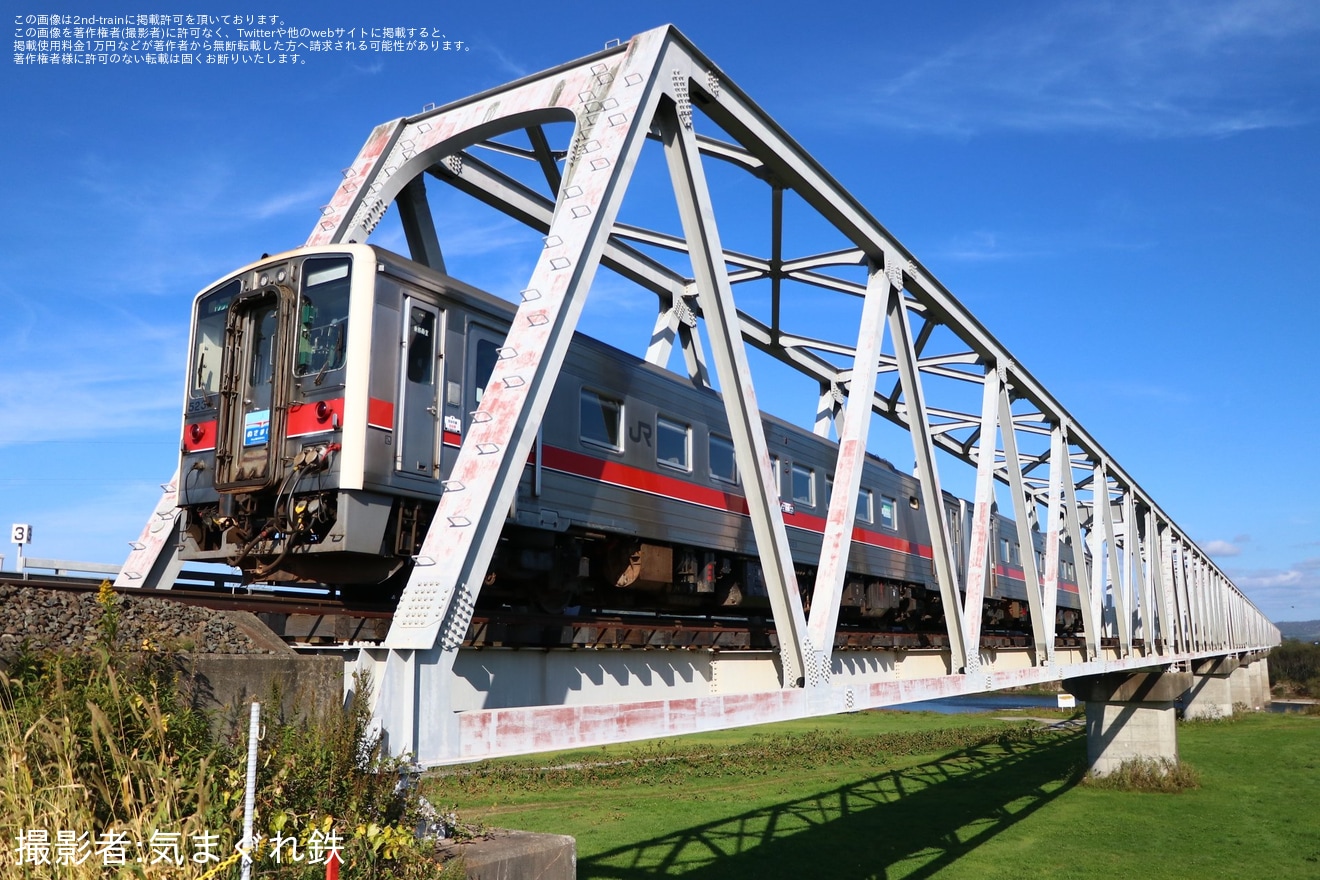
208, 344
322, 317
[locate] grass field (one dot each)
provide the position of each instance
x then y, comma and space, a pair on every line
890, 794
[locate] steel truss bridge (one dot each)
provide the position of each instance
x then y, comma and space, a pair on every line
1150, 598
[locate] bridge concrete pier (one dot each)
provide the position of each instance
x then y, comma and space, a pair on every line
1241, 682
1260, 670
1211, 693
1130, 716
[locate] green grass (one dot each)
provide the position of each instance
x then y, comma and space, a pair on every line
894, 795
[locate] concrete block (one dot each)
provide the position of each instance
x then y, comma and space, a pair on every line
1240, 682
1125, 687
304, 684
1130, 716
1210, 697
1215, 666
518, 855
1118, 732
1260, 684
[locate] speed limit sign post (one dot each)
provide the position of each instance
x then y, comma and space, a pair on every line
20, 534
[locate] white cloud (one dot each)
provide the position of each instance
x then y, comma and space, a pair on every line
62, 380
980, 246
93, 527
503, 62
1222, 548
1171, 68
984, 245
1284, 594
304, 200
68, 404
482, 238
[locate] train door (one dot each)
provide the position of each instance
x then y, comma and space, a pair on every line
254, 391
418, 447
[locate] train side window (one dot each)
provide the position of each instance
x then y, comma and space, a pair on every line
888, 512
421, 346
722, 463
864, 505
804, 485
673, 444
779, 481
865, 501
600, 420
486, 355
1005, 555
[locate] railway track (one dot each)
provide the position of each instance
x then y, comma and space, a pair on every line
255, 603
309, 621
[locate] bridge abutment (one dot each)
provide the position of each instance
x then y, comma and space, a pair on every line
1130, 716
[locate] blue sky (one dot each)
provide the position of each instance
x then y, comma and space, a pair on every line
1127, 195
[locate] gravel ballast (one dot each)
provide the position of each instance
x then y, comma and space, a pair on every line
62, 620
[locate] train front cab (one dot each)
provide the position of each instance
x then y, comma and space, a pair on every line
312, 442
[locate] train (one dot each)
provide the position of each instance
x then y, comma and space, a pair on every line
327, 395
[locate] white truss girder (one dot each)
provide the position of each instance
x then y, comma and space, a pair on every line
1149, 595
651, 88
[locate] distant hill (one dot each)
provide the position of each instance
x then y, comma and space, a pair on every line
1302, 630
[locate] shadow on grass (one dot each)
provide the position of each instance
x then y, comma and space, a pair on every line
904, 823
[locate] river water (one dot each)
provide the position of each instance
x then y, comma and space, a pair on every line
981, 703
1288, 707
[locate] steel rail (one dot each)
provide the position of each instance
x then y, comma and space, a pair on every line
215, 600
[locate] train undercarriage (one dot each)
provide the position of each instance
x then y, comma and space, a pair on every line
551, 574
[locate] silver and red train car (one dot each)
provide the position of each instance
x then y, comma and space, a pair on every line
329, 389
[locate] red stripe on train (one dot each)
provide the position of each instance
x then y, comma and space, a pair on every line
629, 477
380, 414
305, 418
1017, 574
